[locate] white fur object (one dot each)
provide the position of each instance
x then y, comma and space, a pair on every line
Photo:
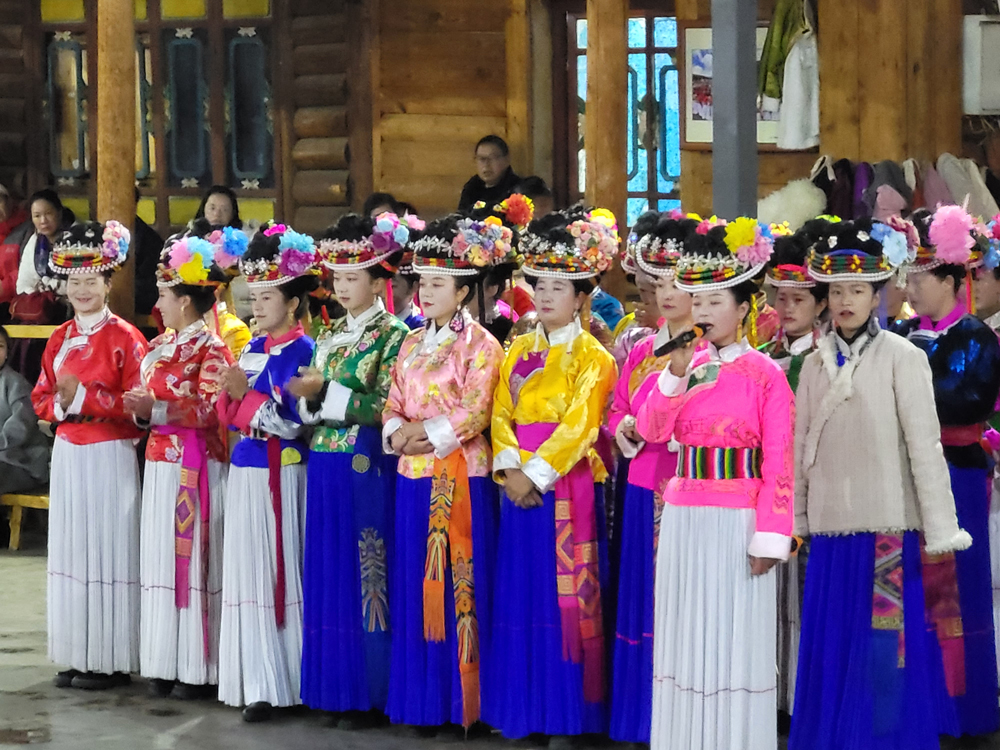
797, 202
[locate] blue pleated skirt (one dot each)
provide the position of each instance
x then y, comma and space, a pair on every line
632, 659
536, 690
348, 554
977, 709
850, 692
425, 687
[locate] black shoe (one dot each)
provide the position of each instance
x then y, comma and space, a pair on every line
259, 711
99, 681
561, 742
160, 688
182, 691
65, 679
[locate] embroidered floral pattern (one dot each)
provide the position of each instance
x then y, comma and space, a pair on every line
374, 577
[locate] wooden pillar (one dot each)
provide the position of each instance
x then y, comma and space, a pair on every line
734, 135
606, 122
116, 132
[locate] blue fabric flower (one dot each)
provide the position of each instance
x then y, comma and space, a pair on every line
991, 258
204, 249
234, 242
401, 235
296, 241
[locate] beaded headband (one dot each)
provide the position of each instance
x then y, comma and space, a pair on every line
592, 252
296, 256
95, 254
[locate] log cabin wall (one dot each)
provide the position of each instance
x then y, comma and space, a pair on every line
316, 180
444, 74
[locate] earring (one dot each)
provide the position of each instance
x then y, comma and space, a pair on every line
739, 331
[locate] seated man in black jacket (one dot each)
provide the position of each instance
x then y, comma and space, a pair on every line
494, 180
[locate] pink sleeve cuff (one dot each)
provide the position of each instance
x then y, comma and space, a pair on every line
247, 408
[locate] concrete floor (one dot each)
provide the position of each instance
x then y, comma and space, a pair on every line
33, 711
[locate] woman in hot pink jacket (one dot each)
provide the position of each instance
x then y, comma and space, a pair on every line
727, 516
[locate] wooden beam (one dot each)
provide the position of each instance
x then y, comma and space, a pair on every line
946, 84
605, 126
116, 132
882, 89
517, 48
839, 113
360, 46
920, 44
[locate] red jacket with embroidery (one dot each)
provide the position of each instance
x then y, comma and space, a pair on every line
183, 371
106, 362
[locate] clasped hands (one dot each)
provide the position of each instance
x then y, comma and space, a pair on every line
139, 403
411, 440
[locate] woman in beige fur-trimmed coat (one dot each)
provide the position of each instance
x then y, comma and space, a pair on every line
872, 490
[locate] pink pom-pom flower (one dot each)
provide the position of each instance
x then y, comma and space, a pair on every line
951, 234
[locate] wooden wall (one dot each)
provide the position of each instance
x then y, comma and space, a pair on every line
16, 84
898, 94
444, 74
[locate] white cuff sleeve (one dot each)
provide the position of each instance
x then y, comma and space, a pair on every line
387, 432
508, 458
159, 415
335, 404
670, 385
75, 407
542, 475
770, 544
673, 446
442, 436
628, 448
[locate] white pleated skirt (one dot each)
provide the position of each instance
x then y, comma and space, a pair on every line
172, 640
714, 642
257, 661
93, 556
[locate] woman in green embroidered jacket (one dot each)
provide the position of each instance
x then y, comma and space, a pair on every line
350, 483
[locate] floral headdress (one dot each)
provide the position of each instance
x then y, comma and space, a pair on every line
736, 251
571, 244
863, 250
278, 254
388, 235
201, 259
464, 246
90, 247
657, 242
415, 224
789, 265
949, 238
986, 254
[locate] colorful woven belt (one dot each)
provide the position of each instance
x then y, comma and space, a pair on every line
698, 462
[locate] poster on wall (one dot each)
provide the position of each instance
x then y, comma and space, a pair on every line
696, 97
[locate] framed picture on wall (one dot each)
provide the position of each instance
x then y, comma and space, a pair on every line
696, 89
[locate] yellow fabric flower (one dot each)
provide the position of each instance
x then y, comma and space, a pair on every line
193, 271
741, 233
493, 220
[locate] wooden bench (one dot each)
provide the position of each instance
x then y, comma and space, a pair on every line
18, 502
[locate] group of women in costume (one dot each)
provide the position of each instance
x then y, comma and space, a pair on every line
413, 522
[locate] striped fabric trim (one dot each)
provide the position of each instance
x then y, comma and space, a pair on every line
698, 462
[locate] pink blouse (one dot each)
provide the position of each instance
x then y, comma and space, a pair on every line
733, 398
652, 463
445, 378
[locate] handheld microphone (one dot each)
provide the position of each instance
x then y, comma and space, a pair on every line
680, 341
